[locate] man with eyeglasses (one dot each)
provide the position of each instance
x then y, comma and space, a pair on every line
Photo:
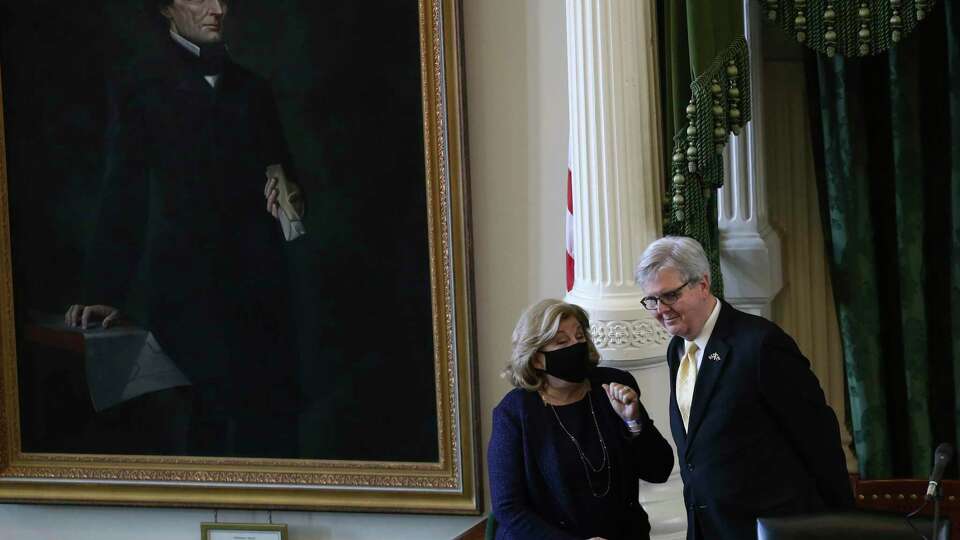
754, 434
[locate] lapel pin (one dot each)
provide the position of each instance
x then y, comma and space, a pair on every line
715, 357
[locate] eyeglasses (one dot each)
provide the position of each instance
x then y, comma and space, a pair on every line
668, 298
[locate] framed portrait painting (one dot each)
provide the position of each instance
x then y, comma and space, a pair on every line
235, 255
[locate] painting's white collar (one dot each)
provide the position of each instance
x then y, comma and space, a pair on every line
212, 80
185, 43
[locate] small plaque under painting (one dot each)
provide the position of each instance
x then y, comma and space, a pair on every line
243, 531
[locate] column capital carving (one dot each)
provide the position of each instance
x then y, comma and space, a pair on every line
639, 341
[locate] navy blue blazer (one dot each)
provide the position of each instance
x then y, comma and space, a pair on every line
532, 499
762, 439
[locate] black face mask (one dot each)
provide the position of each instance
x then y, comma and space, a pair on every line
569, 363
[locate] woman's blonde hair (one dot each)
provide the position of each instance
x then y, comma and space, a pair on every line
537, 326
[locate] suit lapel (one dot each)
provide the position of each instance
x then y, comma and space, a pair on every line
712, 367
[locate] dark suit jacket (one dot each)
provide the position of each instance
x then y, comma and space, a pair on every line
183, 211
532, 499
762, 440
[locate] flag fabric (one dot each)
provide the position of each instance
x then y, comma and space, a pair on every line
570, 258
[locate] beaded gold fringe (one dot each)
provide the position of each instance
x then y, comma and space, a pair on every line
848, 27
719, 105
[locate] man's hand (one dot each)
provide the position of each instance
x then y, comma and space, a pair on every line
79, 315
280, 191
270, 192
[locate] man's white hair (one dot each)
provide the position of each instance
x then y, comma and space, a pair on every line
680, 253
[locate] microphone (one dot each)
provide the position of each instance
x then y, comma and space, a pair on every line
941, 457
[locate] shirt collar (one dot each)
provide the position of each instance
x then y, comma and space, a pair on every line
185, 43
194, 49
705, 332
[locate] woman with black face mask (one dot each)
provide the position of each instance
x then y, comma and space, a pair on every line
571, 441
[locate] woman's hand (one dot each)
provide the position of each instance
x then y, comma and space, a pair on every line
624, 400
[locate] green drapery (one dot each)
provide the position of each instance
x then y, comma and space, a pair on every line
706, 96
888, 140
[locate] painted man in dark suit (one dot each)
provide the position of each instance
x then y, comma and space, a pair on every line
754, 434
183, 223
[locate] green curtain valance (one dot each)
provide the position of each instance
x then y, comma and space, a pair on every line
847, 27
706, 74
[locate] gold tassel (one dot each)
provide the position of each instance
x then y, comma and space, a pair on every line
896, 21
863, 36
691, 139
679, 182
830, 34
800, 21
733, 93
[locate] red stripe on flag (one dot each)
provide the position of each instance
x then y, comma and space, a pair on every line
569, 232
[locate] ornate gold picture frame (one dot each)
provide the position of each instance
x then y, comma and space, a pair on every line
351, 452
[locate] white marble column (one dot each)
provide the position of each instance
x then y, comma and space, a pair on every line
749, 247
616, 164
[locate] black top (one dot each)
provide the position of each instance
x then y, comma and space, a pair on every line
595, 489
537, 483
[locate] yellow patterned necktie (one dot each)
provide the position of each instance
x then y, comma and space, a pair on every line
686, 380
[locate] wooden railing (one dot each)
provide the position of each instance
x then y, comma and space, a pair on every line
905, 496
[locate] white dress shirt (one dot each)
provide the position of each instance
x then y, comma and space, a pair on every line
704, 336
